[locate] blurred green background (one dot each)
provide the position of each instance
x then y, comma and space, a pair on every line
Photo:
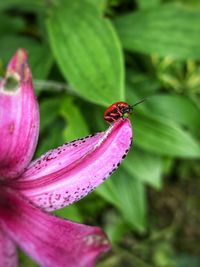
87, 54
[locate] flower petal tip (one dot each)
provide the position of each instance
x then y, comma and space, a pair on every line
98, 239
19, 58
19, 117
18, 67
96, 244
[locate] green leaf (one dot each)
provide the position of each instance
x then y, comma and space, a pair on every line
135, 94
178, 108
116, 227
52, 137
87, 51
49, 109
51, 125
75, 124
128, 195
70, 212
132, 199
167, 165
61, 121
164, 137
141, 83
40, 58
184, 259
10, 24
147, 3
22, 4
168, 30
144, 166
109, 192
25, 261
189, 3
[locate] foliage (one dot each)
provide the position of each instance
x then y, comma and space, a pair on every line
87, 54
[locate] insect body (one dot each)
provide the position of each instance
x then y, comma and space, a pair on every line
118, 110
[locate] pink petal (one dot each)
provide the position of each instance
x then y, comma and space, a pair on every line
8, 252
19, 117
57, 159
49, 240
71, 172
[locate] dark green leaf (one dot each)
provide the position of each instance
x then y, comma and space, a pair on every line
168, 30
40, 58
147, 3
76, 126
49, 109
23, 4
128, 195
116, 227
141, 83
178, 108
144, 166
9, 24
51, 125
52, 138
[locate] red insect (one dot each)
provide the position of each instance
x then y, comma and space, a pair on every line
119, 110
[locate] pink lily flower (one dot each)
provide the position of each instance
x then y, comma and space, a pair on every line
28, 191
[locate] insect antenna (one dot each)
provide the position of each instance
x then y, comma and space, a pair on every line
138, 103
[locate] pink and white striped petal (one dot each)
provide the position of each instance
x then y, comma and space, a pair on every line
49, 240
19, 117
8, 252
71, 174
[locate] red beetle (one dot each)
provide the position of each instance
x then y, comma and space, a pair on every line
119, 110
